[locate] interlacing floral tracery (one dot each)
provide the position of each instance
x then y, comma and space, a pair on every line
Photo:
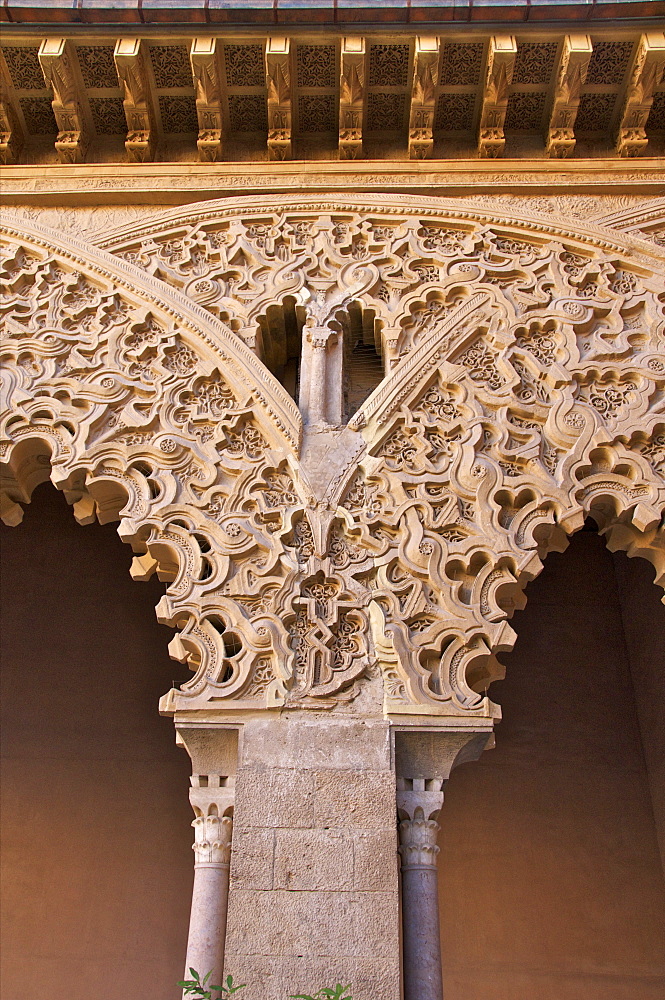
525, 391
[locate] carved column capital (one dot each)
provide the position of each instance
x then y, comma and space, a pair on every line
419, 801
417, 843
212, 798
212, 838
319, 336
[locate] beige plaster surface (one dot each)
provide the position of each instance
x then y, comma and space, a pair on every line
550, 880
97, 859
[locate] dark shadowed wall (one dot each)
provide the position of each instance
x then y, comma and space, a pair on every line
643, 619
97, 862
551, 882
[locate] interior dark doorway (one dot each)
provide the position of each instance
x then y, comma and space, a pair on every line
97, 859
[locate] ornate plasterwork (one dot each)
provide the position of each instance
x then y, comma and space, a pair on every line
624, 213
526, 369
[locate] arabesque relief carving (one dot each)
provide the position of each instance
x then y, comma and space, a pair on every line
525, 372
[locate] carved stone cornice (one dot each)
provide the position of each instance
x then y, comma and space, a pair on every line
501, 56
545, 180
571, 75
645, 75
359, 86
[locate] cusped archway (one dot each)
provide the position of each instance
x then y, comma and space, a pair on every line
524, 383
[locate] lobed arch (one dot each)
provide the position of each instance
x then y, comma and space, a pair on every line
120, 390
524, 391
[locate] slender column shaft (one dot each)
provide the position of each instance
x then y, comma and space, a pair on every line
210, 893
317, 394
423, 762
319, 340
420, 910
207, 922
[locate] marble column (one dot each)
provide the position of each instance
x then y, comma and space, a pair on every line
418, 830
211, 797
423, 762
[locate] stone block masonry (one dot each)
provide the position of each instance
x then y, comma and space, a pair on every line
314, 890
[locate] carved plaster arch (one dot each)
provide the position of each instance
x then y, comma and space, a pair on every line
525, 390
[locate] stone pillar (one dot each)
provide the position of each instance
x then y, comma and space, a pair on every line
314, 883
423, 762
213, 752
420, 895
